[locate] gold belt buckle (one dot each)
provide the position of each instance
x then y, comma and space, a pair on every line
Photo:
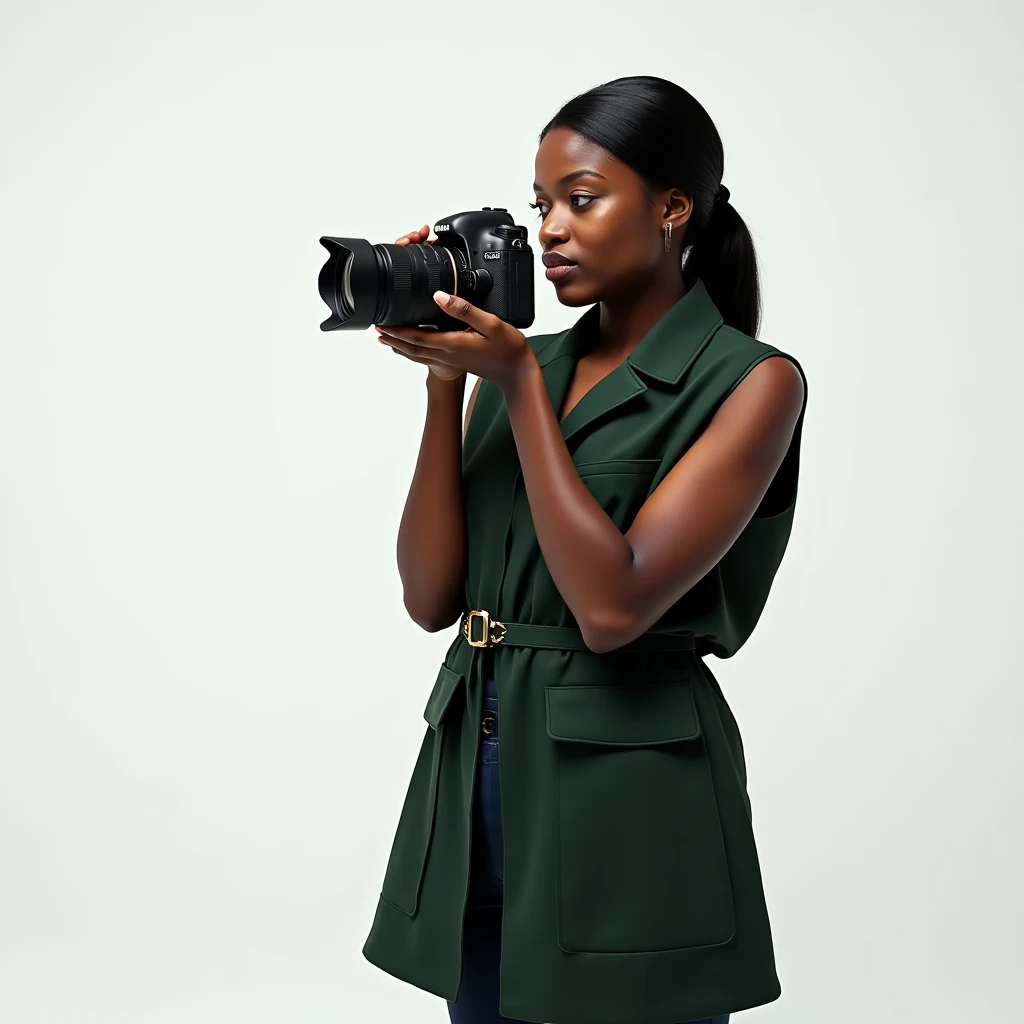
486, 640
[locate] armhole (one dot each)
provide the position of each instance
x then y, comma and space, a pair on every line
781, 494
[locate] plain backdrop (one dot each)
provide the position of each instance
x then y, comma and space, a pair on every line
210, 694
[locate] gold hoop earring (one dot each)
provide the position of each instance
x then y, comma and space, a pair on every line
668, 236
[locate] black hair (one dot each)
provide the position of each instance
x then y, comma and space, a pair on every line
659, 130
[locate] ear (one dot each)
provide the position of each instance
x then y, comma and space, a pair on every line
676, 207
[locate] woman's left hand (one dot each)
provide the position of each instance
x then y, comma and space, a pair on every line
488, 347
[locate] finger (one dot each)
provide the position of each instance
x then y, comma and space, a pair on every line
421, 352
414, 236
431, 340
405, 342
404, 347
413, 353
458, 307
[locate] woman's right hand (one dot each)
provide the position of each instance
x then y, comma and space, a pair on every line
424, 234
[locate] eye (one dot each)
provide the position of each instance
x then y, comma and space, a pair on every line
575, 195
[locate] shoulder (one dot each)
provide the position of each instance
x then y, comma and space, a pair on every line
732, 344
763, 399
766, 369
767, 401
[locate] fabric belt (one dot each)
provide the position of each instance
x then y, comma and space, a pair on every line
481, 630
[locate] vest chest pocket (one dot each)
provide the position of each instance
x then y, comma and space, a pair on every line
641, 858
619, 485
404, 875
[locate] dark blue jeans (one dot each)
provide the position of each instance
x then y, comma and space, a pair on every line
481, 938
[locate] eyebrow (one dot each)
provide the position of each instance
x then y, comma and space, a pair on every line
573, 176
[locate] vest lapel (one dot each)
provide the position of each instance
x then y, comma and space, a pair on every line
664, 354
614, 389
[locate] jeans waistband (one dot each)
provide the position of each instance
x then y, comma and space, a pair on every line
489, 710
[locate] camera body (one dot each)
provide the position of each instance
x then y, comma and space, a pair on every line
481, 255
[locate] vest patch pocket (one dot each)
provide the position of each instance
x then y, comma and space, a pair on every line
641, 858
448, 681
404, 875
619, 485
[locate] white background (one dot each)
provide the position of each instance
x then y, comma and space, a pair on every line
210, 694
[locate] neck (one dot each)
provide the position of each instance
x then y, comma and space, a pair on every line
624, 322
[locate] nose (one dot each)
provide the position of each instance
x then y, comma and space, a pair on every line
550, 234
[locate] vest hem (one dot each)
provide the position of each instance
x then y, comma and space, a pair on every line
527, 1010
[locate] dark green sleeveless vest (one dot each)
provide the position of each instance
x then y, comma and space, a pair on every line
632, 889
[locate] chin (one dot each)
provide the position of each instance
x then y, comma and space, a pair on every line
572, 300
575, 296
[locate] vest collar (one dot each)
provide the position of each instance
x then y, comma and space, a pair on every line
665, 351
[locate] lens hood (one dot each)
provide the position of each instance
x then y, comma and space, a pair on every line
348, 283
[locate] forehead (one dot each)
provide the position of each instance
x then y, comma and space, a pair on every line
563, 151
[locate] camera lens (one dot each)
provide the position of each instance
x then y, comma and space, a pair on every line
383, 283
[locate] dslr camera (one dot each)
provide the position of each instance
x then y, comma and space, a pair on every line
481, 255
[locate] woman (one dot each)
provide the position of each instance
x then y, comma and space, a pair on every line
616, 508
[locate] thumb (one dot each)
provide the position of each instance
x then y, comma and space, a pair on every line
459, 308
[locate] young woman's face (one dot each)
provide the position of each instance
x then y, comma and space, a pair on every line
601, 221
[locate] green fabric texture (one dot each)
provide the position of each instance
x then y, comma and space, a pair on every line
632, 887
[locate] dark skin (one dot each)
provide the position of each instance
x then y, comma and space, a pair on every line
616, 585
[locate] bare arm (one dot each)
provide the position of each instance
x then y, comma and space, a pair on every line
432, 534
618, 585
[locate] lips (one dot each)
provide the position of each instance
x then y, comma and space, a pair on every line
556, 259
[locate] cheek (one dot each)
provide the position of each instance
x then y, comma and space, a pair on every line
621, 234
628, 254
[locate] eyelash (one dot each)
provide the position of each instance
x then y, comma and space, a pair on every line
575, 195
